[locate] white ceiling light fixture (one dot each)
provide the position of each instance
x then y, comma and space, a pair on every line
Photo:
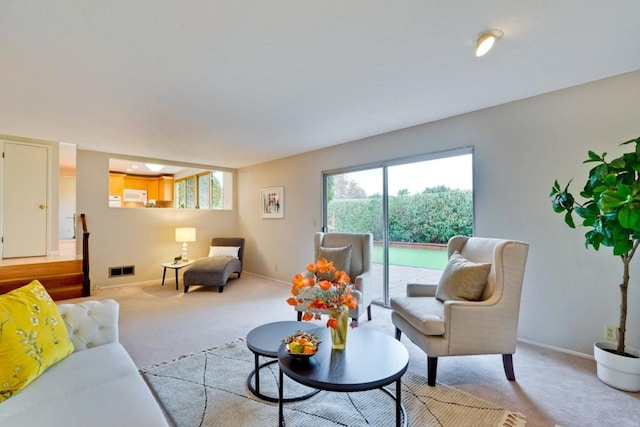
154, 167
486, 40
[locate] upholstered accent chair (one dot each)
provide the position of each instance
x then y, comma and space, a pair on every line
474, 308
354, 249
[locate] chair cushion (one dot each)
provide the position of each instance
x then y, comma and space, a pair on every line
423, 313
462, 280
33, 337
341, 257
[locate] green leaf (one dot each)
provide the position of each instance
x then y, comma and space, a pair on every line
618, 163
636, 140
622, 247
629, 217
612, 199
603, 188
593, 157
587, 214
592, 238
601, 171
555, 204
610, 179
568, 219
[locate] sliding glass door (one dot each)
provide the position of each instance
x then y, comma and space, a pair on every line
354, 204
411, 206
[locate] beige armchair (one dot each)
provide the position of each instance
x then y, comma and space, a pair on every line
462, 327
332, 246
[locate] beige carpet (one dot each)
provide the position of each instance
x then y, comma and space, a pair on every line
209, 389
158, 323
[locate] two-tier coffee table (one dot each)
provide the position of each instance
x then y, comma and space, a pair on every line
265, 341
371, 360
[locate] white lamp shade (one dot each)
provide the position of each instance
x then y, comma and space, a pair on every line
185, 234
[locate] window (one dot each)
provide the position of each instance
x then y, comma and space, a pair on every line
204, 190
140, 184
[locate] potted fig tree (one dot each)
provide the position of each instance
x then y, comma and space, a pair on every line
611, 210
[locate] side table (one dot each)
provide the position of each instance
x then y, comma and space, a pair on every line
265, 340
176, 267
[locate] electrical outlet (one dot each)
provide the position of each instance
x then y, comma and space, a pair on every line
610, 332
275, 267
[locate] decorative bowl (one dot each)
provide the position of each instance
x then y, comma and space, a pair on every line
301, 356
302, 345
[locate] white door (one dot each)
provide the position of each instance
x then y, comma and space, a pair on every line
24, 204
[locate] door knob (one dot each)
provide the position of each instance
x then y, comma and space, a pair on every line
41, 206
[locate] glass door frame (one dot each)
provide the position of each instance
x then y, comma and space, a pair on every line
384, 165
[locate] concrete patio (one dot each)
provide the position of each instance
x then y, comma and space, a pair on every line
399, 276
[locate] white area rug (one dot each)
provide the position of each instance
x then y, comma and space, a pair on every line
210, 389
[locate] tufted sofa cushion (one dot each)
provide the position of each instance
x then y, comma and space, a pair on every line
98, 385
91, 323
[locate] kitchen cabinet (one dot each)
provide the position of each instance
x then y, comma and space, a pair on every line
152, 188
135, 182
165, 188
116, 183
158, 188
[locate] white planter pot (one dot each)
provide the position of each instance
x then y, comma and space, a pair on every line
617, 371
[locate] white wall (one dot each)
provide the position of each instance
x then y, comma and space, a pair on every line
144, 237
520, 148
67, 206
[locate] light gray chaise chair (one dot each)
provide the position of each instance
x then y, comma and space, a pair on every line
354, 249
215, 270
445, 320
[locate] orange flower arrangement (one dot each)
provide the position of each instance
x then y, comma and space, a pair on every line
323, 287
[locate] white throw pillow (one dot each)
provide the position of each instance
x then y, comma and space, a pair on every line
462, 280
229, 251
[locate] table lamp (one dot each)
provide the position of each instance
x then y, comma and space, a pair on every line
184, 235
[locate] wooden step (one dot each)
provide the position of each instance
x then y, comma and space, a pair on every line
61, 279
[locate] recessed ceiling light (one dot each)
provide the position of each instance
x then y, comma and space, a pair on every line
154, 167
486, 40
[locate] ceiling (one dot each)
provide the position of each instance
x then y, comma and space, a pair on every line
133, 167
236, 83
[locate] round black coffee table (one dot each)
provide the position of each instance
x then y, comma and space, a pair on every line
371, 360
265, 341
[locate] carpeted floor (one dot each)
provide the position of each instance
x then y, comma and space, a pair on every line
209, 389
158, 323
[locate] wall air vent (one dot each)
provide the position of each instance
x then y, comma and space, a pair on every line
125, 270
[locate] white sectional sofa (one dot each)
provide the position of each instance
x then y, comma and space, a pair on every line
98, 385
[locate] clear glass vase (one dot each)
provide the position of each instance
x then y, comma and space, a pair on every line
339, 335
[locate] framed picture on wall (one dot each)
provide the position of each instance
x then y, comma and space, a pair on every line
272, 202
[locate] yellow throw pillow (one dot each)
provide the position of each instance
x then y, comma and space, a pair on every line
33, 337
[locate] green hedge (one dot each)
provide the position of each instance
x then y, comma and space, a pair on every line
430, 217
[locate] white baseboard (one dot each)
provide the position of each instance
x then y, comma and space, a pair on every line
266, 278
559, 349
